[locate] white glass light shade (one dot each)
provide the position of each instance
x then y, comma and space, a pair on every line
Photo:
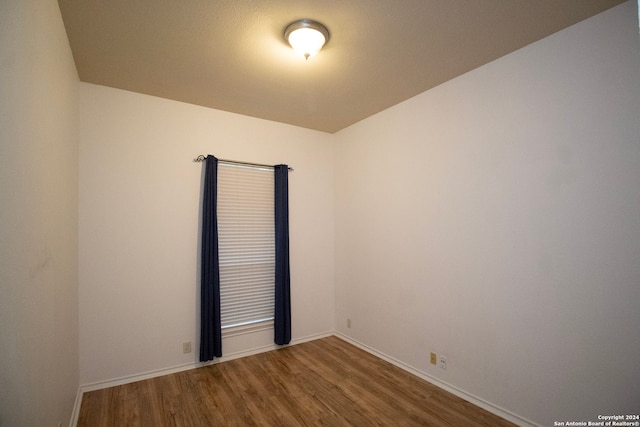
306, 41
306, 37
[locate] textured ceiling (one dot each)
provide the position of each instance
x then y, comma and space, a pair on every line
231, 55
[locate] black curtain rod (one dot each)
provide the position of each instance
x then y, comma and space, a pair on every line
202, 158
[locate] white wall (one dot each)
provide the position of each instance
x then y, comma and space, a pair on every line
139, 226
38, 216
496, 219
508, 238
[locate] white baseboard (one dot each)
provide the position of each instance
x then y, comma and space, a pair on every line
192, 365
75, 413
494, 409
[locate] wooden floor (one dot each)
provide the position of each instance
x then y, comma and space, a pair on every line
323, 382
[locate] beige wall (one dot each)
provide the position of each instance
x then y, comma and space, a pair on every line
38, 216
139, 220
496, 219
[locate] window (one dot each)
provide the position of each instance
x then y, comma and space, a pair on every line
246, 239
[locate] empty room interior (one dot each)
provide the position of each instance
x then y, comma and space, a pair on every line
465, 182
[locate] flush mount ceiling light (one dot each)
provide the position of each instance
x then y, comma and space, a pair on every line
306, 37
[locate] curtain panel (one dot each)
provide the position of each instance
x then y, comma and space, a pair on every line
210, 329
282, 315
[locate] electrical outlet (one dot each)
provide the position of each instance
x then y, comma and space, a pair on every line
433, 358
349, 323
186, 347
442, 362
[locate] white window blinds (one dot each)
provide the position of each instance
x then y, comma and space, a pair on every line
246, 242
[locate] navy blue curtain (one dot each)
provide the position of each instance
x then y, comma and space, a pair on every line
210, 331
282, 316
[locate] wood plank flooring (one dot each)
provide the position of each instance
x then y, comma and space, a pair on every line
326, 382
